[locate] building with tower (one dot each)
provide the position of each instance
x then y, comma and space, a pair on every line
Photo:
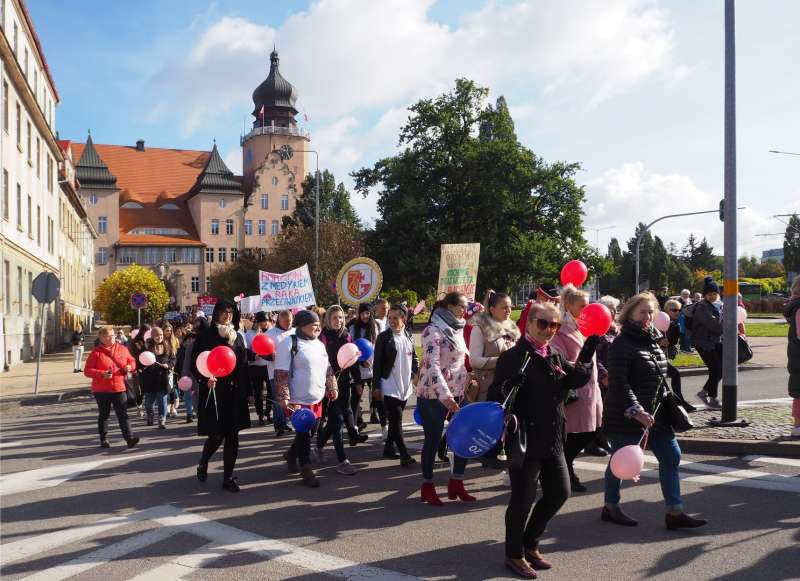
184, 213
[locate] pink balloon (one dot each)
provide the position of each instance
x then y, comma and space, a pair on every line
574, 272
741, 314
185, 383
627, 462
662, 322
419, 308
347, 356
202, 363
134, 333
147, 334
147, 358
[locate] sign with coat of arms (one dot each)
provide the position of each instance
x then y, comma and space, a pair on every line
359, 281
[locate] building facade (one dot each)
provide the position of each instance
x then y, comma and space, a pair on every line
183, 213
37, 216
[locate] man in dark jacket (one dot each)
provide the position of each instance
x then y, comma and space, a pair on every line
792, 314
707, 339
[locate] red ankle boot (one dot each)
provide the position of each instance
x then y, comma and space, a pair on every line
428, 494
455, 489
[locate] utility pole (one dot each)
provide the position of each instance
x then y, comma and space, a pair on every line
730, 334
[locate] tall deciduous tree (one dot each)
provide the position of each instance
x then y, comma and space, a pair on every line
334, 203
791, 245
462, 176
114, 295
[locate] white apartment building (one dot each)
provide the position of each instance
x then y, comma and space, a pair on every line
43, 226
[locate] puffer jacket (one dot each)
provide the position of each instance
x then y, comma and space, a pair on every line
114, 358
793, 347
706, 326
636, 367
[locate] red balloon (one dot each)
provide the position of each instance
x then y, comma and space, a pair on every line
595, 319
263, 344
574, 272
221, 361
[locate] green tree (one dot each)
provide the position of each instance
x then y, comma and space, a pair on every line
113, 296
462, 176
233, 278
703, 257
334, 203
613, 283
791, 245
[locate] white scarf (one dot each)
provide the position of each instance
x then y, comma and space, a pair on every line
455, 336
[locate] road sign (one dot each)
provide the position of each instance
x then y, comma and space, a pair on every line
138, 301
46, 287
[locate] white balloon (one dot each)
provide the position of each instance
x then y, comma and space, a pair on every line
662, 322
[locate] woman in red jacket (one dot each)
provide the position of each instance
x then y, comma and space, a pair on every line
108, 365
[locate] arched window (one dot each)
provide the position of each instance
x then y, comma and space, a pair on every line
131, 206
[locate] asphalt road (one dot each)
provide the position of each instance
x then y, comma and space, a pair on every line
71, 509
759, 384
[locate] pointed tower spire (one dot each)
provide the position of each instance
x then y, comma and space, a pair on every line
91, 171
216, 177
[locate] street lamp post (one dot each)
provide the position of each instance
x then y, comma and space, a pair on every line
286, 152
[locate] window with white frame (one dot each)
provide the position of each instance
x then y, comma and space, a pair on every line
195, 284
284, 202
102, 224
209, 255
262, 227
265, 201
274, 181
275, 228
222, 252
214, 226
222, 203
102, 255
234, 254
229, 227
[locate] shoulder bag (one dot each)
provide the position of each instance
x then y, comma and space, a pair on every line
745, 351
673, 412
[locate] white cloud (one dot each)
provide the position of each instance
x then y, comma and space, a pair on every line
629, 194
233, 159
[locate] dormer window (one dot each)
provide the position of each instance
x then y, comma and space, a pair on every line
131, 206
169, 206
144, 231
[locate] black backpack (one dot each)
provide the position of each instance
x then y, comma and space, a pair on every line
688, 315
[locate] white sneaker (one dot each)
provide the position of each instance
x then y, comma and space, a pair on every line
702, 395
346, 468
796, 432
384, 432
506, 478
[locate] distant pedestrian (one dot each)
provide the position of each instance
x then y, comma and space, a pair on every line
685, 336
670, 344
636, 368
707, 339
107, 366
183, 367
77, 348
257, 367
545, 293
792, 313
172, 344
662, 297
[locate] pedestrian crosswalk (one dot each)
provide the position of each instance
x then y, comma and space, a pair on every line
223, 540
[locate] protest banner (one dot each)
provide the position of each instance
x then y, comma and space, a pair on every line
206, 304
290, 290
250, 305
359, 281
458, 269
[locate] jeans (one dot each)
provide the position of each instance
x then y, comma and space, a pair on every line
159, 397
333, 428
302, 444
713, 360
666, 449
258, 381
188, 400
355, 398
394, 411
524, 527
433, 413
278, 417
77, 356
104, 402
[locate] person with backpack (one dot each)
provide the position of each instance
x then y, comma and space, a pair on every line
706, 327
303, 378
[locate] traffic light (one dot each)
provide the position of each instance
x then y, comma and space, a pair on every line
722, 210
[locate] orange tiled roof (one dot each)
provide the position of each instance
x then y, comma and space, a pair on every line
153, 177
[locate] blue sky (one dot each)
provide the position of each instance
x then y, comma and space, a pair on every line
632, 89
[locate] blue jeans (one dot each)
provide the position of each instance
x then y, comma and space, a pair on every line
189, 401
161, 398
666, 449
433, 413
278, 417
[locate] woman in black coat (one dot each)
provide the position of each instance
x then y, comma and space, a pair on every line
539, 407
636, 384
221, 414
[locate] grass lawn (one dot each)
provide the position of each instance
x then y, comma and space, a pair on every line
767, 329
684, 360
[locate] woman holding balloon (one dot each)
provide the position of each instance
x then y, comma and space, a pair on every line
365, 327
636, 369
545, 379
584, 414
136, 346
156, 365
443, 378
303, 378
220, 366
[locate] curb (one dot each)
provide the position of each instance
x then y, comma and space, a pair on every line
692, 371
46, 398
785, 448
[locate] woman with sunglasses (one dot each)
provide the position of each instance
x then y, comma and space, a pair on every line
635, 377
443, 377
539, 407
670, 343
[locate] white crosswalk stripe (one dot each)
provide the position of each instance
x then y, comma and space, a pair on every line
224, 539
773, 460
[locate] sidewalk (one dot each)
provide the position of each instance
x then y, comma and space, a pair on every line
767, 352
55, 378
768, 432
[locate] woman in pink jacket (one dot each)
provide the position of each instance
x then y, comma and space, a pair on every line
585, 414
443, 378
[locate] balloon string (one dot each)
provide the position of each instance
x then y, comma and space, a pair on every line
213, 391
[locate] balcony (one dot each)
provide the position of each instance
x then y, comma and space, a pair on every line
273, 130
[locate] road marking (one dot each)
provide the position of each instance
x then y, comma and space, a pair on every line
224, 539
103, 555
720, 475
773, 460
51, 476
742, 474
30, 546
4, 445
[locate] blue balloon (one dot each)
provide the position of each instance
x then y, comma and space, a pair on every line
475, 429
366, 348
417, 416
303, 420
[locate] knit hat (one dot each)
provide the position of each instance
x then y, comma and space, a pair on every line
709, 286
364, 307
304, 318
261, 317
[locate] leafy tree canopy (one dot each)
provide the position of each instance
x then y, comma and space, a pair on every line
114, 295
791, 245
334, 203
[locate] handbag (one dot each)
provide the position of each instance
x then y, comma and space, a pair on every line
674, 414
514, 440
473, 389
745, 351
130, 394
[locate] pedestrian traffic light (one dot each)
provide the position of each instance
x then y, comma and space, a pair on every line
722, 210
